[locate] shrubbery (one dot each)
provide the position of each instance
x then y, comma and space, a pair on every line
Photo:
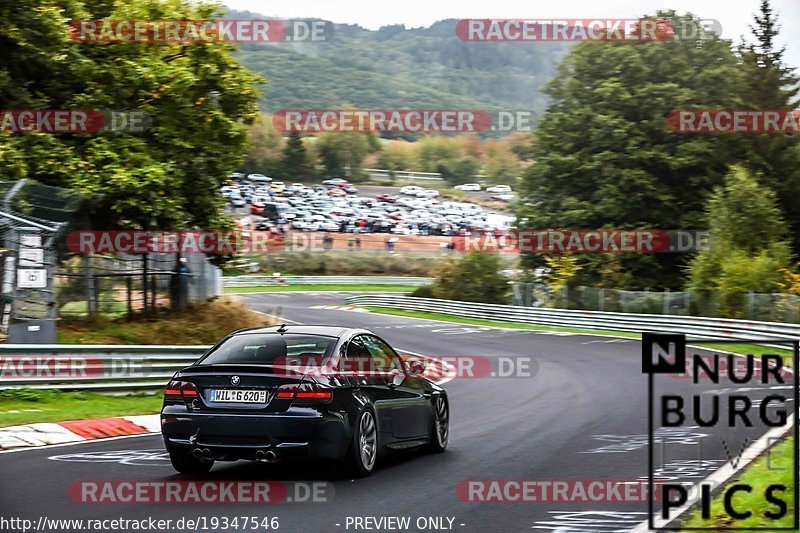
475, 277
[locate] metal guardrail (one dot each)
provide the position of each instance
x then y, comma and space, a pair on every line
404, 174
70, 367
269, 281
92, 367
704, 327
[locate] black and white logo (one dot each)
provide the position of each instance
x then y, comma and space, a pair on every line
235, 380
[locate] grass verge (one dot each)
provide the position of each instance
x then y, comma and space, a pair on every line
28, 406
329, 287
774, 467
735, 348
204, 323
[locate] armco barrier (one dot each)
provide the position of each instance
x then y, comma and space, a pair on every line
704, 327
266, 281
99, 368
92, 367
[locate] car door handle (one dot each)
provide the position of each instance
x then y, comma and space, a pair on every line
427, 395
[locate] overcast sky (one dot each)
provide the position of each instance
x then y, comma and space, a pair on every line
734, 15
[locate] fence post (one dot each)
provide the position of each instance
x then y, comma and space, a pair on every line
666, 302
601, 299
129, 285
154, 292
144, 283
88, 276
750, 298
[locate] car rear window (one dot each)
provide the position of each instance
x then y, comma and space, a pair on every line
271, 348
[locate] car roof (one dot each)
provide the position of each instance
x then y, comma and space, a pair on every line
301, 329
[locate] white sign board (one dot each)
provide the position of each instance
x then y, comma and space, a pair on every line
29, 278
31, 257
30, 241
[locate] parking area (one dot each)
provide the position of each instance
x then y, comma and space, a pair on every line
336, 206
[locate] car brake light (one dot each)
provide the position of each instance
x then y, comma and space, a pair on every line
181, 388
189, 389
306, 392
173, 389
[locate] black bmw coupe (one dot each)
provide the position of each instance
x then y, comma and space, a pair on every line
270, 393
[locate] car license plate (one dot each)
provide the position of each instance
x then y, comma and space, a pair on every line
238, 396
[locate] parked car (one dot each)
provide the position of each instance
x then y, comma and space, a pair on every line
263, 394
468, 187
411, 190
499, 189
258, 178
336, 182
349, 189
237, 201
386, 198
428, 193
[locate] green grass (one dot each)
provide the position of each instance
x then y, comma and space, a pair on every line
77, 309
491, 323
326, 287
28, 406
203, 323
758, 475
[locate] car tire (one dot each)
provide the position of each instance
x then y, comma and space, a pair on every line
363, 452
186, 463
440, 432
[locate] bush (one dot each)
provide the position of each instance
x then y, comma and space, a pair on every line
473, 278
426, 291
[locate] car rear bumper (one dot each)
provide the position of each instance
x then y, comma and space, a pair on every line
297, 432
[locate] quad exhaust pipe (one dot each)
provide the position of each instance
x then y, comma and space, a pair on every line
266, 456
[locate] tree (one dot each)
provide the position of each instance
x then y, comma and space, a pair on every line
198, 96
502, 165
265, 148
604, 156
295, 160
343, 153
748, 249
396, 155
475, 277
766, 83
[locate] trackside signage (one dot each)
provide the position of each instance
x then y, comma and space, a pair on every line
743, 403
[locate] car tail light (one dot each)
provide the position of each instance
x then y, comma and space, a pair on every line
189, 390
181, 389
305, 393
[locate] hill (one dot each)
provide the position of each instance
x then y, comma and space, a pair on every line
396, 67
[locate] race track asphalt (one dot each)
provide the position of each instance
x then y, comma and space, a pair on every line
582, 415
